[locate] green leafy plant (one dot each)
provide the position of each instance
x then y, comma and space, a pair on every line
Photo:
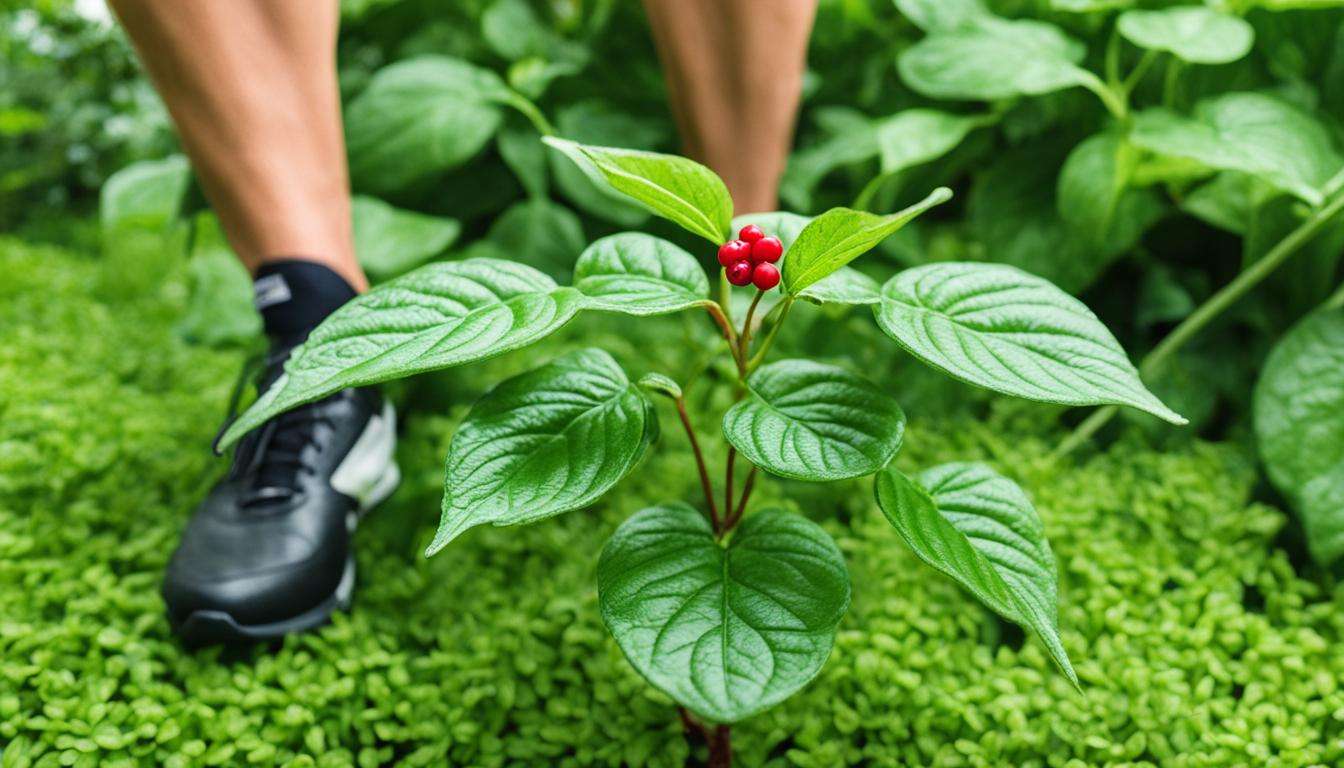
728, 609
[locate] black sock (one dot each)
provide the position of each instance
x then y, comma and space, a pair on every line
294, 296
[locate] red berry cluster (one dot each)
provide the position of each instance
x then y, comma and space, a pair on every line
751, 258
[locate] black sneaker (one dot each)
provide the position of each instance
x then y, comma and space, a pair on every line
268, 552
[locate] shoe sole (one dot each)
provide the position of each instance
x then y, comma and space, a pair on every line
207, 627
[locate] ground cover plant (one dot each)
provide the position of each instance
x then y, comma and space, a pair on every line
727, 609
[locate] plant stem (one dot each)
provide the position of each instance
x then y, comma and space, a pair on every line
730, 335
1210, 310
1114, 102
735, 516
699, 463
769, 339
1140, 69
744, 338
721, 748
531, 112
727, 488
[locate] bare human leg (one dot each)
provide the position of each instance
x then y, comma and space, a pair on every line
251, 85
734, 72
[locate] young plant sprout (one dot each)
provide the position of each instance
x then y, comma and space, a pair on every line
724, 607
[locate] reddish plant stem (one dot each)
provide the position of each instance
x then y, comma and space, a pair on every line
721, 748
691, 726
733, 517
727, 489
699, 463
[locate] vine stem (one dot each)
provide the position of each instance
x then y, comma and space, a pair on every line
735, 516
1210, 310
699, 463
730, 335
721, 748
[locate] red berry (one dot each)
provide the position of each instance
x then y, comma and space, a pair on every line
739, 273
765, 276
751, 233
767, 249
734, 251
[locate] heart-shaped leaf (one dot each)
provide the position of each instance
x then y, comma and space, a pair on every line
1000, 328
840, 235
640, 274
549, 441
1195, 33
391, 242
991, 58
980, 529
440, 315
725, 631
1256, 133
420, 117
810, 421
1299, 426
680, 190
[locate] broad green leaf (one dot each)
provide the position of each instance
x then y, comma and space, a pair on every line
1227, 200
1195, 33
418, 118
540, 234
546, 442
937, 15
600, 123
809, 421
1000, 328
981, 530
680, 190
1299, 424
1254, 133
840, 235
994, 59
521, 149
640, 274
441, 315
220, 311
726, 631
391, 242
917, 136
1092, 183
148, 193
846, 285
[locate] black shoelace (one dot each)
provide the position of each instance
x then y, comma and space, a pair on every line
270, 460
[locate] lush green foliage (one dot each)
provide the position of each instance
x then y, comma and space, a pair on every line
1198, 641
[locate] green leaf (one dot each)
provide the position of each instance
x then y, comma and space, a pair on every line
1000, 328
597, 122
981, 530
1195, 33
1227, 201
994, 59
1299, 425
441, 315
1092, 183
846, 285
540, 234
391, 242
840, 235
220, 311
809, 421
1256, 133
657, 382
725, 631
917, 136
418, 118
680, 190
145, 194
521, 150
938, 15
546, 442
640, 274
